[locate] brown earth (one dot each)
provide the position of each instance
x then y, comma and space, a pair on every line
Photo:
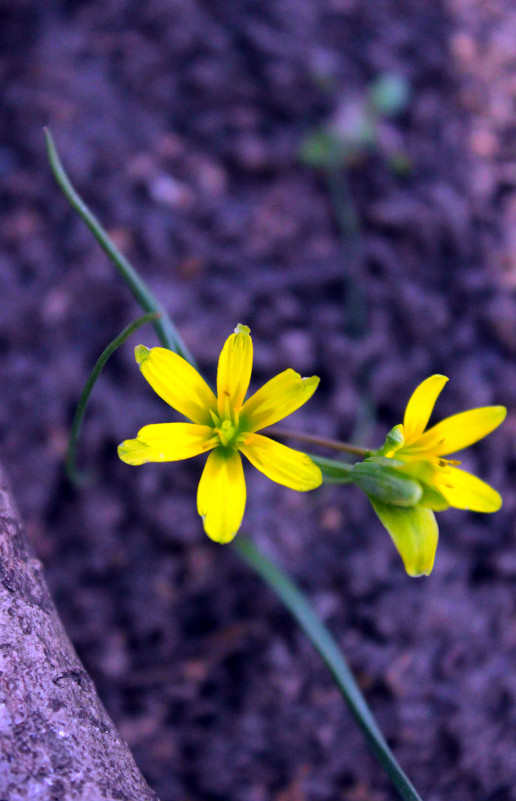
182, 122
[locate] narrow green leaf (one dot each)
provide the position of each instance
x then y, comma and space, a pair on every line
73, 475
327, 647
164, 326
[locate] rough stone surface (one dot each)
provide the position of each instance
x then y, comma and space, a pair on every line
56, 739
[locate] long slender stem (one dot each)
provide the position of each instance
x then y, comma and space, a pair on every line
284, 588
164, 326
348, 222
73, 475
343, 202
327, 647
322, 442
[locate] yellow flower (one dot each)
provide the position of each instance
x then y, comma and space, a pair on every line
418, 454
224, 425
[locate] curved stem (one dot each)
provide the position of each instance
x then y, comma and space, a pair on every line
164, 326
321, 442
326, 646
73, 475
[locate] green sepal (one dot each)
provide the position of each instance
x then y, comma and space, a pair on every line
393, 441
141, 354
414, 532
386, 484
333, 472
424, 472
386, 461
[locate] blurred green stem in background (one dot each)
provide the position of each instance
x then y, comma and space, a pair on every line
326, 152
348, 221
282, 585
342, 144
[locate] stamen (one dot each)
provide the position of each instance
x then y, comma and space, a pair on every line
214, 417
447, 462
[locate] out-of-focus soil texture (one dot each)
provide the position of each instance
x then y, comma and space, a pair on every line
181, 121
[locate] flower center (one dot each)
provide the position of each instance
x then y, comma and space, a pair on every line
227, 432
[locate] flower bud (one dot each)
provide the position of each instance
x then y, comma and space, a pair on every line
393, 441
386, 484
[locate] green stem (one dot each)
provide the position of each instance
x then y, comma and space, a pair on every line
321, 442
164, 326
343, 202
73, 475
284, 588
327, 647
348, 222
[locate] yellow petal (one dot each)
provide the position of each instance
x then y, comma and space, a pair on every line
282, 464
420, 405
177, 382
457, 432
167, 442
278, 398
221, 495
465, 491
234, 371
414, 533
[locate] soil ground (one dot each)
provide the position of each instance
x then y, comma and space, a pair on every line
181, 121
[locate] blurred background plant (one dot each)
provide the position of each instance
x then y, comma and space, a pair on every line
358, 131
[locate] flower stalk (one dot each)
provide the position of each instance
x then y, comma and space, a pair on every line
320, 442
